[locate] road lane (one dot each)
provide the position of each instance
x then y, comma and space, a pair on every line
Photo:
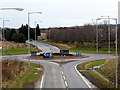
72, 77
46, 47
52, 75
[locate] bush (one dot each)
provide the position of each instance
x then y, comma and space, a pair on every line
18, 38
21, 38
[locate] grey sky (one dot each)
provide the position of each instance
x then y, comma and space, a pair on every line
58, 13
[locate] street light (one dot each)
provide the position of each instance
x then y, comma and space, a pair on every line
35, 30
108, 32
116, 43
4, 34
29, 33
97, 34
19, 9
116, 51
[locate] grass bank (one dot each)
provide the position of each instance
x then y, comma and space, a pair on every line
17, 74
95, 78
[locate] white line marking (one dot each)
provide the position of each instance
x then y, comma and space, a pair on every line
54, 63
66, 84
41, 84
64, 77
62, 72
82, 77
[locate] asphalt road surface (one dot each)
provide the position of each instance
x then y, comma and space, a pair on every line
46, 47
64, 76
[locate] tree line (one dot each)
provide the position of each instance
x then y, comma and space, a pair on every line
21, 35
86, 33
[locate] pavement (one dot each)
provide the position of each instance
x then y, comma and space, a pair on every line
64, 76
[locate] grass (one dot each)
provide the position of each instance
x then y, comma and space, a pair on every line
29, 76
92, 50
84, 48
99, 81
18, 79
98, 77
96, 63
88, 65
18, 51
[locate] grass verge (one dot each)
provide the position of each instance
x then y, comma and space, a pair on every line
78, 47
92, 50
17, 74
18, 51
92, 76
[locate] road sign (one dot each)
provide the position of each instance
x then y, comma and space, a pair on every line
78, 54
48, 55
61, 57
30, 40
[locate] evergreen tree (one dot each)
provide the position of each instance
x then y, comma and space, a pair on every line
24, 30
38, 33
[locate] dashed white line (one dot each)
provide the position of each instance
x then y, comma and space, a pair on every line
64, 77
82, 77
62, 72
66, 84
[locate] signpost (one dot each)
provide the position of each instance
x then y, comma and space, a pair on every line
78, 54
61, 59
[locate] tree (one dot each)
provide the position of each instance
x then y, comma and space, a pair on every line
21, 38
14, 37
9, 33
38, 33
24, 30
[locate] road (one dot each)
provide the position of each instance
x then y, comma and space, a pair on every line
46, 47
72, 78
53, 75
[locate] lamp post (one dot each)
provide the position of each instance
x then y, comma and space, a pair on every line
116, 51
49, 41
35, 30
4, 34
29, 33
18, 9
108, 17
97, 34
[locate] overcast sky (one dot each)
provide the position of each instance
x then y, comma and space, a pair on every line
57, 13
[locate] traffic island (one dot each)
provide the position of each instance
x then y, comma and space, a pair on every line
57, 56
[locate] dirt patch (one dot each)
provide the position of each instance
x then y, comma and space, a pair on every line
12, 45
62, 46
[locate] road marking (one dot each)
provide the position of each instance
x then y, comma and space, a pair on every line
66, 84
42, 80
54, 63
62, 72
41, 84
64, 77
82, 77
